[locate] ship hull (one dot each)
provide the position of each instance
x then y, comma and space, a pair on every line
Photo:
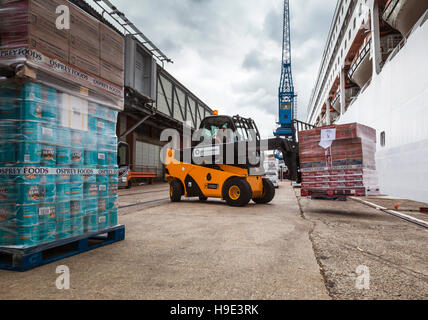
396, 103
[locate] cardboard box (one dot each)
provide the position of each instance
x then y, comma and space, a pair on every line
112, 46
32, 24
13, 14
53, 49
25, 24
346, 152
53, 46
85, 62
84, 32
84, 45
111, 73
44, 26
345, 131
47, 7
17, 12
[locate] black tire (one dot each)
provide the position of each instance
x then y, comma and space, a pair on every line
175, 191
203, 198
129, 186
268, 192
237, 192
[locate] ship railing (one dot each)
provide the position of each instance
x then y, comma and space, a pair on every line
389, 9
404, 40
336, 97
355, 98
300, 126
396, 50
362, 54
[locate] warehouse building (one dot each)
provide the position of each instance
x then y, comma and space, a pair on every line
154, 99
140, 125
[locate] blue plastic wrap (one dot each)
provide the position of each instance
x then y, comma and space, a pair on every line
58, 165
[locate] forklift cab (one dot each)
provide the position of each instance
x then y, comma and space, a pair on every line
215, 171
229, 132
217, 128
225, 129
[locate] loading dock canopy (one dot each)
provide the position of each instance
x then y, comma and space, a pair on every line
152, 95
176, 102
174, 105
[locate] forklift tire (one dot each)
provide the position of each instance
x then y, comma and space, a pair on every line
237, 192
203, 198
129, 185
268, 192
175, 191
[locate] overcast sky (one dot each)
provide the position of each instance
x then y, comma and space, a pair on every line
228, 52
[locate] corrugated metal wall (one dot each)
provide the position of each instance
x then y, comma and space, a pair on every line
149, 155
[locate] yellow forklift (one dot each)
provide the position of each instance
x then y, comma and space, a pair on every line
218, 168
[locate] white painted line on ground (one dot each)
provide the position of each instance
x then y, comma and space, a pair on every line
392, 212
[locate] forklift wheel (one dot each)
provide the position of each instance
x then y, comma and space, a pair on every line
268, 192
237, 192
175, 191
129, 185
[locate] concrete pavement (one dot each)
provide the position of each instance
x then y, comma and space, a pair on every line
353, 241
190, 250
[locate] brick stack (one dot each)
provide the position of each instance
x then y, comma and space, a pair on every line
338, 160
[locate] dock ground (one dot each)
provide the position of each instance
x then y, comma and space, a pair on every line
294, 248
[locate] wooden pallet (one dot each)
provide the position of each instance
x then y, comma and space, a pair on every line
335, 198
25, 259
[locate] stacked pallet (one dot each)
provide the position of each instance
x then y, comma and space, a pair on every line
338, 160
88, 44
58, 144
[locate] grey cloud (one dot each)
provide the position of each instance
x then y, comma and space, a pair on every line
273, 25
265, 78
171, 46
253, 61
232, 44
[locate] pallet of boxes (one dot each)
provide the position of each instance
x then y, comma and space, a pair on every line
338, 161
60, 94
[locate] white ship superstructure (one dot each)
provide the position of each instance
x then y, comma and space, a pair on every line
374, 71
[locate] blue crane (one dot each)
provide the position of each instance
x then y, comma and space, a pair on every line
286, 92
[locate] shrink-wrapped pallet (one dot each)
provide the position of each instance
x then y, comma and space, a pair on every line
58, 165
34, 43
